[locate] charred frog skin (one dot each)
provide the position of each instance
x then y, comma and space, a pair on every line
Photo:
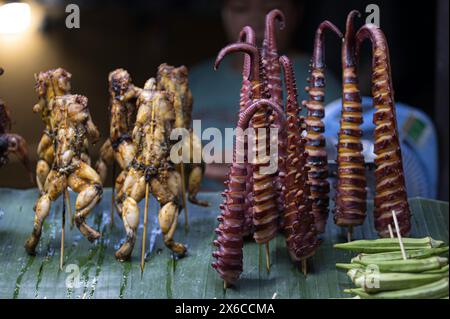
70, 120
123, 109
151, 166
49, 85
174, 80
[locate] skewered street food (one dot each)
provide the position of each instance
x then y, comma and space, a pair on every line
230, 233
256, 200
263, 205
272, 84
390, 190
299, 225
151, 170
119, 147
175, 81
50, 84
317, 160
351, 194
69, 117
247, 35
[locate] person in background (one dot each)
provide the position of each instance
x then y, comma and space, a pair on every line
216, 93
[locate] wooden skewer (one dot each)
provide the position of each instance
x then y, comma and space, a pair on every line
225, 285
349, 233
144, 235
147, 190
259, 257
304, 267
112, 192
61, 258
399, 235
268, 257
183, 195
69, 207
174, 262
391, 233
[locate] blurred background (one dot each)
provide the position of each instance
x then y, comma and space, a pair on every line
140, 35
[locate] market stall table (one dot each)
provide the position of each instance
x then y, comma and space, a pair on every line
91, 271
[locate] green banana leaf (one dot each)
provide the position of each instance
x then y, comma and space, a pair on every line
91, 271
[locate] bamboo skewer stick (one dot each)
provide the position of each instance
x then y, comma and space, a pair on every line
391, 233
259, 257
144, 234
268, 257
69, 207
174, 262
61, 258
112, 192
399, 235
183, 195
349, 233
305, 267
147, 190
63, 217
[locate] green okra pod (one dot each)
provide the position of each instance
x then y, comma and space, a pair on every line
349, 266
409, 265
443, 270
434, 290
376, 282
389, 244
397, 255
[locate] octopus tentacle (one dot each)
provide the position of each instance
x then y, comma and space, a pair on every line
273, 87
269, 36
315, 145
319, 43
230, 231
247, 35
249, 49
390, 190
351, 194
250, 88
299, 227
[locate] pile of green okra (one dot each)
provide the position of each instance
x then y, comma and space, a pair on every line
380, 271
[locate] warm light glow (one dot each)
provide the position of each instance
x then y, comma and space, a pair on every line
14, 18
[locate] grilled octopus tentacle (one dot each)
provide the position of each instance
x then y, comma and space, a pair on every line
265, 209
230, 230
247, 48
270, 56
250, 88
264, 193
234, 209
272, 70
247, 35
315, 141
390, 191
299, 228
350, 206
